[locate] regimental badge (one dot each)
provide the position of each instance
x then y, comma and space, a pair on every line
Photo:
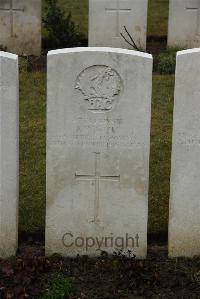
100, 85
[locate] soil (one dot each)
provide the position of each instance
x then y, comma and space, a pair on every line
156, 44
116, 277
156, 277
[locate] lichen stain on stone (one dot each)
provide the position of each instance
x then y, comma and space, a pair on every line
184, 248
138, 28
140, 186
59, 182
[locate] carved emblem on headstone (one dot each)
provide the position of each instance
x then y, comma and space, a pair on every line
100, 86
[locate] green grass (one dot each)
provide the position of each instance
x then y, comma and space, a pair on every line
32, 151
162, 110
79, 11
157, 15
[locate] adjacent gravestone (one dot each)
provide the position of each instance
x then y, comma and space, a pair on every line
9, 151
98, 131
184, 216
184, 23
107, 19
20, 26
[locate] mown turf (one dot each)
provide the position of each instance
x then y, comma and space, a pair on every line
32, 151
162, 110
158, 11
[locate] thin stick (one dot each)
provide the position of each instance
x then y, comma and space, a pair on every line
127, 40
131, 39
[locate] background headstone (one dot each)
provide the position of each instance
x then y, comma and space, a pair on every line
184, 217
9, 152
99, 107
20, 26
184, 23
108, 17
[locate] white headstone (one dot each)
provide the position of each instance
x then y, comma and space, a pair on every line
99, 107
184, 23
9, 151
20, 26
107, 19
184, 217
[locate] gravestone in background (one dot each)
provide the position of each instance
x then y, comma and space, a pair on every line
20, 26
184, 23
9, 151
98, 132
184, 216
108, 17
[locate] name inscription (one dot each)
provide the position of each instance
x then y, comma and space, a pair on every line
98, 134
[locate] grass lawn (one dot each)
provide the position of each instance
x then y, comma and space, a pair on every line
157, 15
32, 151
162, 112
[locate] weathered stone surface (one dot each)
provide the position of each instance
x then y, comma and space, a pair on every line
184, 216
20, 26
107, 19
184, 23
9, 151
99, 106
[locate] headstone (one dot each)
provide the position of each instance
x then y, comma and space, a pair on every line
184, 23
107, 19
99, 107
184, 217
9, 151
20, 26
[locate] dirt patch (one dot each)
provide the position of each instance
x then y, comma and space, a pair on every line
116, 277
156, 277
156, 44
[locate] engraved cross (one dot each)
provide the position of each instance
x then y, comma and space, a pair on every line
195, 7
12, 10
118, 10
97, 178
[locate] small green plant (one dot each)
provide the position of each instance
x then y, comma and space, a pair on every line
61, 30
166, 62
60, 287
